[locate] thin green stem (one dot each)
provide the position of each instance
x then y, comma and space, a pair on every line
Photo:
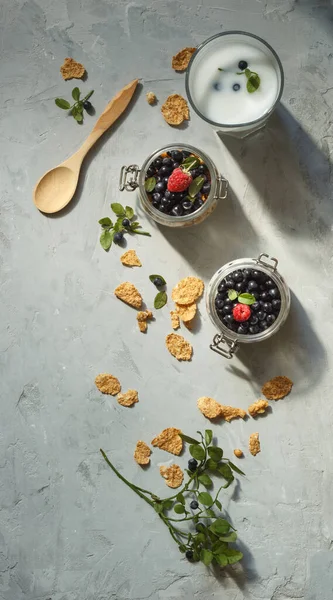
135, 488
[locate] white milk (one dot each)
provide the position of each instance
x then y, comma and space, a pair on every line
226, 106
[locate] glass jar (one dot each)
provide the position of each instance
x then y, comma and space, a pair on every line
132, 177
207, 51
227, 342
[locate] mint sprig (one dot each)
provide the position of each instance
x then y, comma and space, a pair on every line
76, 109
243, 298
110, 229
253, 80
209, 533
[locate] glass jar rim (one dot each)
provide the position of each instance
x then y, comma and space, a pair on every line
235, 125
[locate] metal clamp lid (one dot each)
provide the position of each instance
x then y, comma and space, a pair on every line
267, 264
221, 188
223, 346
128, 179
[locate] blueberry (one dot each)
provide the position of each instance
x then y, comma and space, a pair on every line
157, 163
164, 170
165, 179
126, 223
219, 304
240, 286
192, 464
255, 306
254, 329
156, 204
157, 197
186, 153
242, 65
194, 173
118, 237
217, 86
194, 504
175, 165
189, 554
236, 87
247, 273
242, 330
270, 319
228, 319
261, 315
264, 296
276, 304
237, 276
227, 309
167, 194
222, 286
87, 105
158, 282
160, 186
166, 203
177, 155
254, 320
202, 169
257, 275
256, 294
206, 188
274, 293
177, 210
167, 161
187, 205
198, 203
230, 284
150, 171
267, 307
263, 325
252, 285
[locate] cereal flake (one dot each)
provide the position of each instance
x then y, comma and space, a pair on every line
258, 407
277, 388
229, 412
71, 69
169, 440
175, 322
128, 293
254, 444
129, 398
187, 290
142, 317
130, 259
173, 475
108, 384
142, 453
186, 312
182, 58
175, 110
209, 407
178, 346
151, 98
238, 453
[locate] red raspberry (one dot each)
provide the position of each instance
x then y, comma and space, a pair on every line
241, 312
179, 181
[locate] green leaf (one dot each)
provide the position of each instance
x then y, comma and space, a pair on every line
196, 186
76, 94
235, 468
215, 453
205, 480
205, 498
218, 504
150, 184
211, 465
220, 526
221, 559
191, 162
88, 96
210, 513
129, 212
247, 73
246, 299
167, 504
158, 506
197, 452
188, 439
182, 548
219, 69
62, 103
231, 537
118, 209
233, 555
200, 537
135, 225
152, 277
206, 556
136, 230
118, 226
201, 528
179, 509
79, 107
219, 547
180, 498
232, 294
78, 117
208, 436
106, 223
160, 300
253, 83
106, 240
225, 470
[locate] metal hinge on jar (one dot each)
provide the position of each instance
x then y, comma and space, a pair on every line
273, 266
128, 179
221, 345
221, 188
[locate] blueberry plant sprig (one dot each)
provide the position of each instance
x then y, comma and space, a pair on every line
242, 297
114, 232
76, 109
253, 80
161, 297
208, 534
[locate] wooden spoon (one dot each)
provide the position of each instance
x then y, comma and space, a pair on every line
56, 188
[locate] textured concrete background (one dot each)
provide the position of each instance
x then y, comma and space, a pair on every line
69, 529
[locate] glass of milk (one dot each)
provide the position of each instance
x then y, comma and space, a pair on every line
234, 82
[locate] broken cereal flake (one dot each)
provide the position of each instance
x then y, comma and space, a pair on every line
173, 475
130, 259
169, 440
229, 412
143, 326
129, 398
175, 110
186, 312
142, 453
257, 407
254, 444
175, 322
72, 69
209, 407
108, 384
151, 98
182, 58
238, 453
277, 388
142, 317
128, 293
178, 346
187, 290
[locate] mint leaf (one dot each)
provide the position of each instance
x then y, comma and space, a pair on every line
191, 162
232, 294
118, 209
106, 223
160, 300
196, 186
76, 94
246, 299
129, 212
153, 277
253, 83
150, 184
106, 240
62, 103
248, 72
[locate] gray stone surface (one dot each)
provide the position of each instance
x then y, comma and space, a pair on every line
69, 529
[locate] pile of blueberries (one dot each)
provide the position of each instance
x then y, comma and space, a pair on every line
175, 204
264, 311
